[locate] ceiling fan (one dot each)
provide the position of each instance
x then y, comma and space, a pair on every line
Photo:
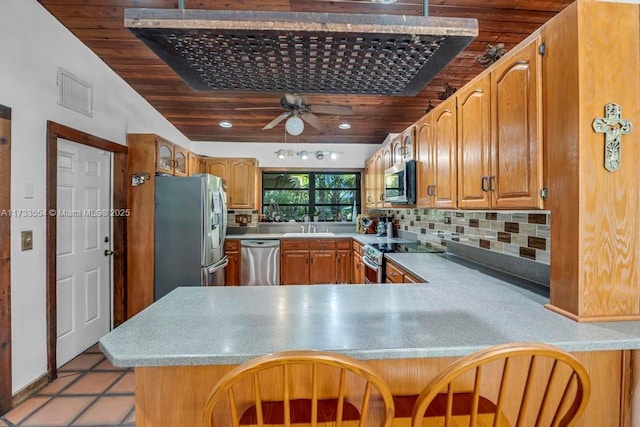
296, 108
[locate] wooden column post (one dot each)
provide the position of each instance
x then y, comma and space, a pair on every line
592, 59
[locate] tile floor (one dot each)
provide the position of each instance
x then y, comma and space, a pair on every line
89, 391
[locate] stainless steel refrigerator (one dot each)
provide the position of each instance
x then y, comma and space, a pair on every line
190, 228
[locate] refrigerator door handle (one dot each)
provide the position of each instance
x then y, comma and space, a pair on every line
214, 268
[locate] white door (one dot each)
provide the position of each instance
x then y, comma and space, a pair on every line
84, 233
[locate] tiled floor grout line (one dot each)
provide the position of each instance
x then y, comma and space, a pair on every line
82, 412
97, 395
126, 417
34, 411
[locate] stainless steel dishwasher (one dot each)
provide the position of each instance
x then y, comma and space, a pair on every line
260, 262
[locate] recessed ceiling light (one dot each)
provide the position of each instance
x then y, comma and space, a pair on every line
226, 124
333, 156
344, 126
386, 1
304, 155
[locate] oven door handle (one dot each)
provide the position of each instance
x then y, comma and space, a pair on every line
370, 264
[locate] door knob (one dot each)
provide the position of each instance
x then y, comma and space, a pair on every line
107, 252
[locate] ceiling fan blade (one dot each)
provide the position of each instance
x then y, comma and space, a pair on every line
338, 110
257, 108
277, 120
293, 99
314, 121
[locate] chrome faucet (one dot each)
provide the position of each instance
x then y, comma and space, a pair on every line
302, 227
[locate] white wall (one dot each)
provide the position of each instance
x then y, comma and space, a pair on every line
353, 155
34, 45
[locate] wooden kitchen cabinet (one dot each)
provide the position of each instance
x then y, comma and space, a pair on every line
294, 263
315, 261
357, 272
516, 133
424, 172
295, 268
474, 144
232, 270
195, 164
395, 274
370, 182
343, 261
437, 158
171, 158
322, 267
240, 175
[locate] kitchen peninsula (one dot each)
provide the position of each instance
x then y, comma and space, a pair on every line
182, 344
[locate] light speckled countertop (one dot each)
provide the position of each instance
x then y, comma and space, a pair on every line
460, 311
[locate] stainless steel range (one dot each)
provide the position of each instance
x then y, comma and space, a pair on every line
374, 271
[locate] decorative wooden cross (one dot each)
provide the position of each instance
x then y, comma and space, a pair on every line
613, 126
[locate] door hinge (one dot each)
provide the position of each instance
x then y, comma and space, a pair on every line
542, 49
544, 193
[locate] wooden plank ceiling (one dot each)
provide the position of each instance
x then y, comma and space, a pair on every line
100, 25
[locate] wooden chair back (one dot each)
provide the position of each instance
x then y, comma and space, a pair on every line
520, 384
300, 388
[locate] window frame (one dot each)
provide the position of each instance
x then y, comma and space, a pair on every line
312, 206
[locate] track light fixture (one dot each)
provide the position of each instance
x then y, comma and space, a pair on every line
281, 153
319, 155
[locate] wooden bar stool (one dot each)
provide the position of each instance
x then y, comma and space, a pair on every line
520, 384
300, 388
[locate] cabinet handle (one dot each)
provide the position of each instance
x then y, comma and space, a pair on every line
368, 198
381, 196
483, 184
391, 273
492, 179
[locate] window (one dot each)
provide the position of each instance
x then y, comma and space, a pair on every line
329, 195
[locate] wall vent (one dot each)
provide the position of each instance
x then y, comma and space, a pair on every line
74, 93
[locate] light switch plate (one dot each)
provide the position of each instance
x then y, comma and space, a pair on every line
27, 240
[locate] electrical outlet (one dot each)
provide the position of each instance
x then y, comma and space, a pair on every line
27, 240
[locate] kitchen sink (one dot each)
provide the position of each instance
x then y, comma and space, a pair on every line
308, 234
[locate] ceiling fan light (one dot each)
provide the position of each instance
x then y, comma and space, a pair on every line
226, 124
294, 125
304, 155
319, 155
333, 156
281, 153
344, 126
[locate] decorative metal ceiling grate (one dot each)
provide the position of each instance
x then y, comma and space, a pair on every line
302, 52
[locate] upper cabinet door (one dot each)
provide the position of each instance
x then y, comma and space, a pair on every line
474, 143
408, 144
218, 167
180, 161
424, 171
164, 156
242, 183
444, 151
396, 150
379, 179
516, 141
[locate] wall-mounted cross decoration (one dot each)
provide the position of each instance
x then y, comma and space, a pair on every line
613, 127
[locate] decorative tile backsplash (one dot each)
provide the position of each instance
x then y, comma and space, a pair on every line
517, 233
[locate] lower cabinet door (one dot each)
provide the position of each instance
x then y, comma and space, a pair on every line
343, 267
232, 270
295, 268
323, 267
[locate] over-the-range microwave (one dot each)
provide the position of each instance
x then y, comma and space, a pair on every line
400, 183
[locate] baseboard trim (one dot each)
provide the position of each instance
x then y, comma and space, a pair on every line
29, 390
588, 319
